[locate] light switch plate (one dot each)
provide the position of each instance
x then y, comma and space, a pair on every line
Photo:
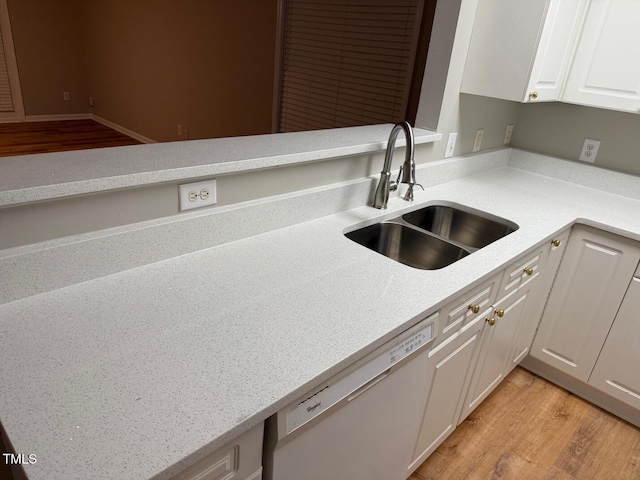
198, 194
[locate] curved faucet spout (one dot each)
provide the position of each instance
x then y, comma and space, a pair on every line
407, 172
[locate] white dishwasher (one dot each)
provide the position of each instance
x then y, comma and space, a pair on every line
362, 423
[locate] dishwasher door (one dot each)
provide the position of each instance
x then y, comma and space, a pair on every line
361, 424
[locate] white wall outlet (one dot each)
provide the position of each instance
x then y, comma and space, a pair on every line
66, 96
198, 194
478, 141
589, 150
451, 144
507, 134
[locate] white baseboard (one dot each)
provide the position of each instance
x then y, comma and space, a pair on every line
55, 118
121, 129
88, 116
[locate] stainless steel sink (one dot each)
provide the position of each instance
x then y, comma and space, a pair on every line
434, 236
460, 226
407, 245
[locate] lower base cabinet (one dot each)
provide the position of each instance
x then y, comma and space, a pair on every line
448, 375
616, 371
511, 325
240, 459
591, 283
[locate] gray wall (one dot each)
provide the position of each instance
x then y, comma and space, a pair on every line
559, 130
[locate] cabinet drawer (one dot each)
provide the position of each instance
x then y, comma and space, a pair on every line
461, 311
522, 272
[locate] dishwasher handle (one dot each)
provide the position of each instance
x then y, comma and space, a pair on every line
368, 385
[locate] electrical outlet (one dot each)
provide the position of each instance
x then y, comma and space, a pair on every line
66, 96
186, 133
451, 144
507, 134
478, 141
179, 130
589, 150
92, 102
198, 194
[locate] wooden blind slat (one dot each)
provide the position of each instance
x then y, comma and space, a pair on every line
346, 62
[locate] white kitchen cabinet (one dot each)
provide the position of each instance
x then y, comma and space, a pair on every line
534, 298
521, 50
616, 371
511, 324
605, 71
448, 374
240, 459
591, 282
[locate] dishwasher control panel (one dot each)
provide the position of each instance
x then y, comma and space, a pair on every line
359, 380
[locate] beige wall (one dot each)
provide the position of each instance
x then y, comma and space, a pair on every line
150, 64
559, 130
207, 65
49, 45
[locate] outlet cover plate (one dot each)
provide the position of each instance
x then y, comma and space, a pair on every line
198, 194
477, 143
589, 150
451, 145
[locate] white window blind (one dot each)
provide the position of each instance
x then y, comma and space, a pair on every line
346, 62
6, 100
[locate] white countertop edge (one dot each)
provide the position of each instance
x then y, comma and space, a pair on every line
39, 177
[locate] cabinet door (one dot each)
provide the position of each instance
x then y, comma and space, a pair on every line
530, 302
495, 347
555, 50
522, 46
616, 371
448, 371
502, 48
591, 282
605, 72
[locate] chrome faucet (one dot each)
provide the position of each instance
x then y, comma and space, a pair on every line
407, 172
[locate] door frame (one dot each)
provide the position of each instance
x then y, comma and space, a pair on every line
12, 67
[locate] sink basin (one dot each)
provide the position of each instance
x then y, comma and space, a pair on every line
460, 226
407, 245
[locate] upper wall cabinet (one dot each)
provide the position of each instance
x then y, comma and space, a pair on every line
605, 71
521, 50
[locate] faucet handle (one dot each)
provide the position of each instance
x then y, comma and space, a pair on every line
393, 186
399, 176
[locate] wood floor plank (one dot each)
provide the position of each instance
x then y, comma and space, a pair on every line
530, 429
46, 137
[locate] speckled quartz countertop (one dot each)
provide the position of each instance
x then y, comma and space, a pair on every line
29, 178
139, 373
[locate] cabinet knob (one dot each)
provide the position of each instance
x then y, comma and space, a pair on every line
528, 271
499, 313
491, 321
533, 95
474, 308
556, 243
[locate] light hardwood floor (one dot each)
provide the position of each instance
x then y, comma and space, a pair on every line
530, 429
45, 137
